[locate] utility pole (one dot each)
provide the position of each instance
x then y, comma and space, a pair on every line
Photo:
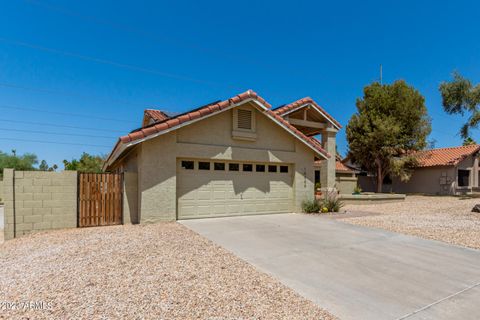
381, 75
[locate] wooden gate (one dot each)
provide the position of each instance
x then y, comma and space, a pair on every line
100, 199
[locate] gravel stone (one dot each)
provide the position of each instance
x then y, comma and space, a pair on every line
447, 219
159, 271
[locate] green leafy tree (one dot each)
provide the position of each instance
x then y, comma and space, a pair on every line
45, 167
87, 163
469, 141
460, 96
390, 123
24, 162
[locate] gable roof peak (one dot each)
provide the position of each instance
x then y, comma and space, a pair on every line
175, 122
287, 108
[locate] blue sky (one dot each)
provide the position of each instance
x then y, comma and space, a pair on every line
106, 61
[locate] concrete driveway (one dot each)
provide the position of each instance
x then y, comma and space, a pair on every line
352, 271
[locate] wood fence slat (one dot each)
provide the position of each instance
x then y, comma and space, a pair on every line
100, 199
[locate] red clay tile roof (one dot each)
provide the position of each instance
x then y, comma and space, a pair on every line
213, 108
288, 107
156, 115
444, 156
339, 166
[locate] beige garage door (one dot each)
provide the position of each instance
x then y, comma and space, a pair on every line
215, 188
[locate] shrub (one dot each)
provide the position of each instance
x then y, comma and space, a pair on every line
332, 202
318, 185
357, 189
310, 206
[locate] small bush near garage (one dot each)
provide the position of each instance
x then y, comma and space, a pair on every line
332, 205
310, 206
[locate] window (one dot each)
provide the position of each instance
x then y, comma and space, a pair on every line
203, 165
272, 168
233, 167
220, 166
463, 178
247, 167
260, 168
188, 165
284, 169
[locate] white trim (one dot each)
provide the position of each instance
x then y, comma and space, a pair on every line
124, 146
314, 107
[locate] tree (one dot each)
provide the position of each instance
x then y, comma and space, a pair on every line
45, 167
24, 162
87, 163
469, 141
391, 122
460, 96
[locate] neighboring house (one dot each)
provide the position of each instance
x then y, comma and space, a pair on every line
232, 157
443, 171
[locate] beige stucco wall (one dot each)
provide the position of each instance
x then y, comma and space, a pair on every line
43, 201
130, 197
211, 138
432, 180
345, 184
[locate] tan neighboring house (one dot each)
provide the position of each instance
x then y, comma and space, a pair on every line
232, 157
443, 171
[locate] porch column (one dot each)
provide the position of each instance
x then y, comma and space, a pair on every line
327, 173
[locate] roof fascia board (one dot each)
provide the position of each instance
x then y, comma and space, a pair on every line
290, 131
124, 146
314, 107
132, 143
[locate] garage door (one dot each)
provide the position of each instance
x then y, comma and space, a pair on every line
215, 189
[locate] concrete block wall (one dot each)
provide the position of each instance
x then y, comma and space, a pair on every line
39, 201
346, 185
1, 191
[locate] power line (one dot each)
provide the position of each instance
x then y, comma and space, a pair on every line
70, 93
57, 125
59, 133
148, 35
113, 63
55, 142
64, 113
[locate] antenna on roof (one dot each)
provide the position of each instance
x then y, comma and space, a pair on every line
381, 75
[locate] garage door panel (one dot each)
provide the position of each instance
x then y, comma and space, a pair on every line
210, 193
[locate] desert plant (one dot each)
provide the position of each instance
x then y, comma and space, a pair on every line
357, 189
310, 206
331, 202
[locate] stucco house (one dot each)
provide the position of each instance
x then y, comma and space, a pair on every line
443, 171
233, 157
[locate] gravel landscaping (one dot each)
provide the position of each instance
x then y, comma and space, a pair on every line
162, 271
445, 219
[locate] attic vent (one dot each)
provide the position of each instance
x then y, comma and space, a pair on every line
244, 120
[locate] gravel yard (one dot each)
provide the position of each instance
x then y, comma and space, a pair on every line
151, 271
445, 219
